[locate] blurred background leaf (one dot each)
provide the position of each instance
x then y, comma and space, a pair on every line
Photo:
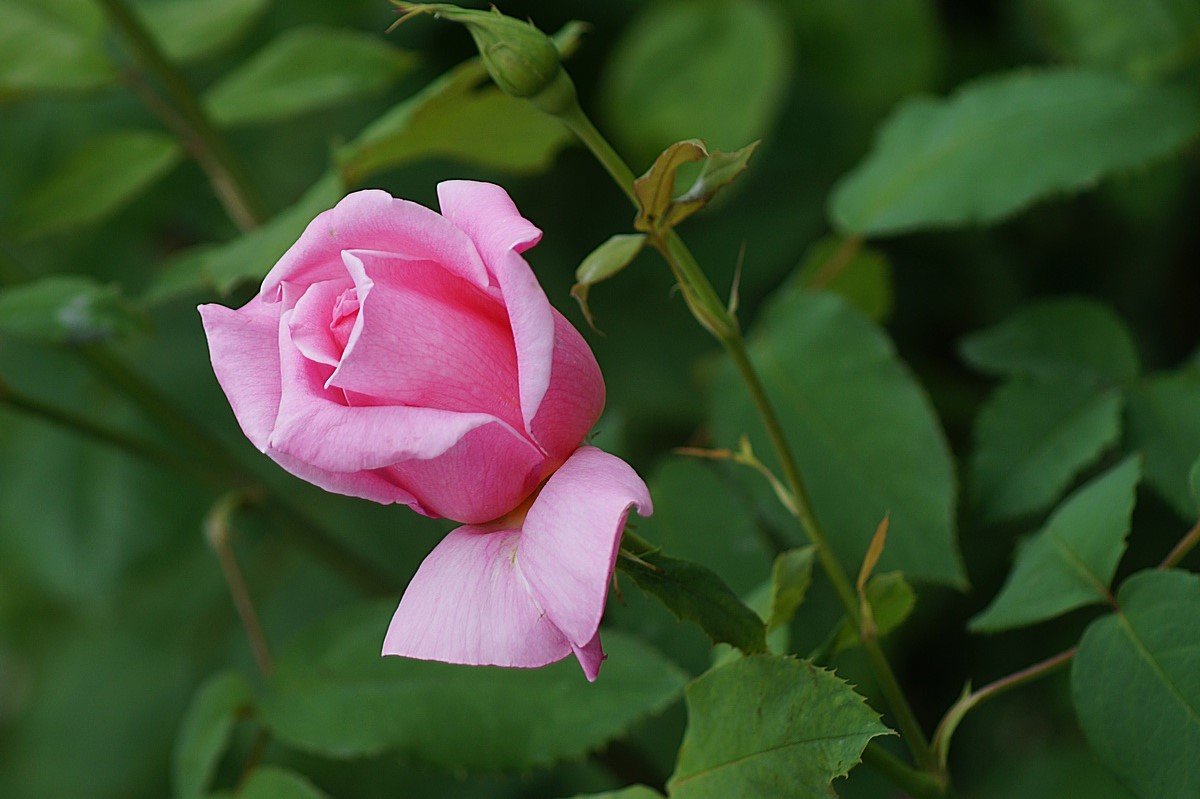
112, 609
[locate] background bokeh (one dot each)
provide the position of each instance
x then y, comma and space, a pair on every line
112, 606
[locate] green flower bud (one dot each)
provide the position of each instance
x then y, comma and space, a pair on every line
521, 59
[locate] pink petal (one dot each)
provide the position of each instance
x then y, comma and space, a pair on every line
377, 485
373, 220
487, 214
426, 337
468, 603
317, 428
570, 538
244, 348
470, 467
590, 656
309, 325
575, 397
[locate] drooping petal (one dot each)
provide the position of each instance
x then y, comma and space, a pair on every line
575, 398
487, 214
428, 338
590, 656
468, 603
570, 538
244, 348
374, 220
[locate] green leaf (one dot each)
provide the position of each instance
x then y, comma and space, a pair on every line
695, 593
892, 601
303, 70
705, 69
187, 30
205, 732
864, 434
96, 181
272, 782
1003, 142
699, 517
1069, 337
67, 309
1071, 561
454, 118
602, 263
1146, 38
334, 695
791, 575
632, 792
770, 727
1136, 685
52, 45
223, 267
659, 208
1165, 425
862, 275
1032, 439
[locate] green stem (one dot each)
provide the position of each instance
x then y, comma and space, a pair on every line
971, 700
710, 311
219, 531
1181, 549
206, 144
917, 784
118, 439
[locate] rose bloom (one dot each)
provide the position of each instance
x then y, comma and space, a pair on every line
405, 356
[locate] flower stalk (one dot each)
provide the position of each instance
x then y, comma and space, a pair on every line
713, 314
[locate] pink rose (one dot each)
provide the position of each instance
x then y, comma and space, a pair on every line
406, 356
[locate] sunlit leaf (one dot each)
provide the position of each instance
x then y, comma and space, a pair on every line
1003, 142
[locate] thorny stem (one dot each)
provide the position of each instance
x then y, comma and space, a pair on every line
713, 314
188, 119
